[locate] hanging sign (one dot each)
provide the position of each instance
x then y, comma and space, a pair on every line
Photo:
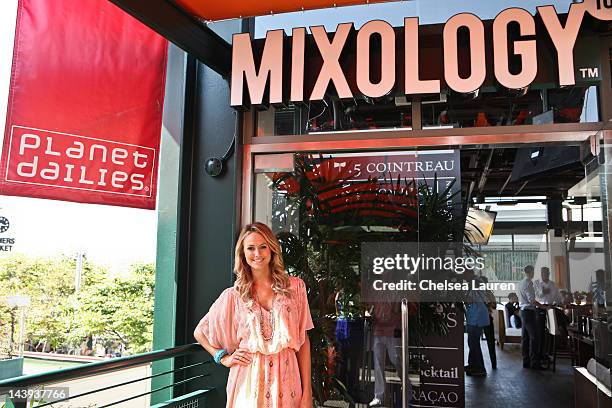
442, 375
376, 71
222, 10
85, 104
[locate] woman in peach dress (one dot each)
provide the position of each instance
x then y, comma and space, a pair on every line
258, 327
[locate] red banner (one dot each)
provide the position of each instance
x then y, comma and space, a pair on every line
85, 105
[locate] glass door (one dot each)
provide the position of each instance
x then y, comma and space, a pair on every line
325, 208
344, 219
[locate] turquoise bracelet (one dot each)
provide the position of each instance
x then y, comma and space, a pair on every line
219, 355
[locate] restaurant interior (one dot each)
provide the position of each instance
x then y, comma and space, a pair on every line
539, 204
515, 199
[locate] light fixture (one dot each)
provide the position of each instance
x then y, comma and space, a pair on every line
214, 165
535, 154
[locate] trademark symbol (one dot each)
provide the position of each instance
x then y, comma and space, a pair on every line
589, 72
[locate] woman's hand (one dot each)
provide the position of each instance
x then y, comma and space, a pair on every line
241, 357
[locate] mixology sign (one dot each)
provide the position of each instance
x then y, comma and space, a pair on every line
250, 84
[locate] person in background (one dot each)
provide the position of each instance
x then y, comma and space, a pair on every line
531, 339
477, 318
513, 312
489, 331
349, 337
566, 297
547, 291
598, 288
386, 341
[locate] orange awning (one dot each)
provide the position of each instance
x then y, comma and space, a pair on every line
222, 10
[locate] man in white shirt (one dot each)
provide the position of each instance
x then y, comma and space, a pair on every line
547, 292
530, 336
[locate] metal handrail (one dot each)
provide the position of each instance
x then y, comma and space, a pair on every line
150, 392
405, 355
83, 394
102, 367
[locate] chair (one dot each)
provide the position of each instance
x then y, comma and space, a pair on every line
506, 334
553, 329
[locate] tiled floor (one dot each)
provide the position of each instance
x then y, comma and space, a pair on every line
513, 386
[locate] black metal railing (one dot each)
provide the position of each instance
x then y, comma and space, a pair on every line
30, 382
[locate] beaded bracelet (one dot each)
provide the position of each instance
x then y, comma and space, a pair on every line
219, 355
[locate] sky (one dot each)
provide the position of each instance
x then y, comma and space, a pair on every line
428, 11
115, 237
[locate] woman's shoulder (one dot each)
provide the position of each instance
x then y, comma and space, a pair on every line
228, 295
224, 302
296, 284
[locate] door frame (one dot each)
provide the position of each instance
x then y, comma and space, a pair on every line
377, 140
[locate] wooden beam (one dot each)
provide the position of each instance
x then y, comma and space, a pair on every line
183, 30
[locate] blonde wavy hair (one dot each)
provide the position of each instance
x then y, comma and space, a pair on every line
244, 276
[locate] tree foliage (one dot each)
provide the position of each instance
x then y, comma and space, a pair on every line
120, 309
59, 318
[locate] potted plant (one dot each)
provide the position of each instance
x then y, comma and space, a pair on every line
579, 297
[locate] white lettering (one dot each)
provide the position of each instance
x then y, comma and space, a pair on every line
136, 180
92, 151
117, 178
76, 152
58, 161
102, 181
24, 142
52, 173
68, 177
452, 319
416, 262
119, 153
33, 166
377, 266
140, 156
83, 180
49, 150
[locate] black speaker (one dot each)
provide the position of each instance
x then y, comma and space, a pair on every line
554, 214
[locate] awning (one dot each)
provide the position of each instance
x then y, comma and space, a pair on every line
220, 10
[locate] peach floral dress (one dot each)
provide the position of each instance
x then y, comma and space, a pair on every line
273, 377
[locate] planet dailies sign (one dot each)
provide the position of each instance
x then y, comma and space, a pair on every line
270, 72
